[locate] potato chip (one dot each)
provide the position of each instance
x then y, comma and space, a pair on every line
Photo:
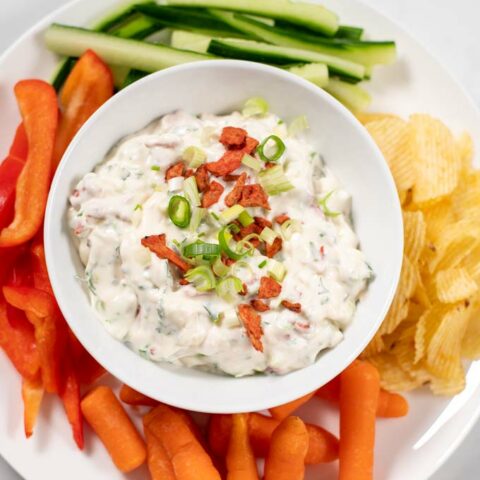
465, 149
392, 377
415, 230
437, 163
454, 284
365, 117
449, 386
471, 263
471, 341
375, 346
438, 218
444, 348
391, 136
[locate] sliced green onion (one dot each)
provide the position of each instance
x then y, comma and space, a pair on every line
268, 235
229, 288
231, 214
219, 268
323, 205
211, 315
252, 162
242, 264
280, 148
276, 270
191, 191
229, 318
289, 227
298, 125
137, 207
155, 168
179, 211
175, 184
245, 219
255, 106
202, 278
197, 216
195, 156
274, 180
224, 237
262, 264
200, 248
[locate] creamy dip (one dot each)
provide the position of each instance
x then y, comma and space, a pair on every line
137, 295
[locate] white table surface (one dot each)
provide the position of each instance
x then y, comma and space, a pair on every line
449, 29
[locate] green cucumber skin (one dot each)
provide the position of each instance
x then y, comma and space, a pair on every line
63, 72
132, 77
353, 97
349, 33
309, 15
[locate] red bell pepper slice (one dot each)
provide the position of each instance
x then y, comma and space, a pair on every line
32, 395
39, 266
8, 257
17, 339
38, 105
31, 300
87, 88
10, 170
71, 401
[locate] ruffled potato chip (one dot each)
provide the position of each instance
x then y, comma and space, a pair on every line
454, 284
415, 232
365, 117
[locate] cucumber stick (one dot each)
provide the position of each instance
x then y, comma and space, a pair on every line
138, 27
366, 53
353, 97
194, 42
117, 16
148, 57
273, 54
312, 16
316, 73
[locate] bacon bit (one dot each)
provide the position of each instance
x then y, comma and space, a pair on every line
188, 172
322, 250
229, 162
236, 193
157, 245
227, 260
252, 322
201, 176
262, 222
270, 165
269, 288
294, 307
231, 178
259, 306
272, 249
212, 194
281, 219
254, 196
183, 281
250, 145
175, 170
244, 290
233, 136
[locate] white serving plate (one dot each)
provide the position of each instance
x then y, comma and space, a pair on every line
413, 447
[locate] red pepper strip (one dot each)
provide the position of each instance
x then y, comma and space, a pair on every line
19, 147
8, 257
17, 339
38, 105
30, 300
39, 266
71, 401
32, 395
21, 273
87, 88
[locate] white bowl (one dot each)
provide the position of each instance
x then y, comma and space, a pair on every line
221, 86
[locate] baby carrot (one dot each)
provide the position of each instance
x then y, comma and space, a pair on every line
322, 447
107, 417
241, 463
283, 411
359, 390
189, 459
159, 465
390, 405
132, 397
288, 448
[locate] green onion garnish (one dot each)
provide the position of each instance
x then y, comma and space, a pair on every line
268, 235
202, 278
299, 124
276, 270
252, 162
229, 288
191, 191
274, 180
289, 227
224, 237
195, 156
231, 214
197, 216
200, 248
179, 211
262, 264
245, 219
280, 148
323, 205
255, 106
219, 268
155, 168
137, 207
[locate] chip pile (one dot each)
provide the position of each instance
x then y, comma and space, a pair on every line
433, 325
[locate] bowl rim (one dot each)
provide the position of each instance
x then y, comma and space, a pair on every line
190, 402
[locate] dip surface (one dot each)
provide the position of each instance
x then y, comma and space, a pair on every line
141, 298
